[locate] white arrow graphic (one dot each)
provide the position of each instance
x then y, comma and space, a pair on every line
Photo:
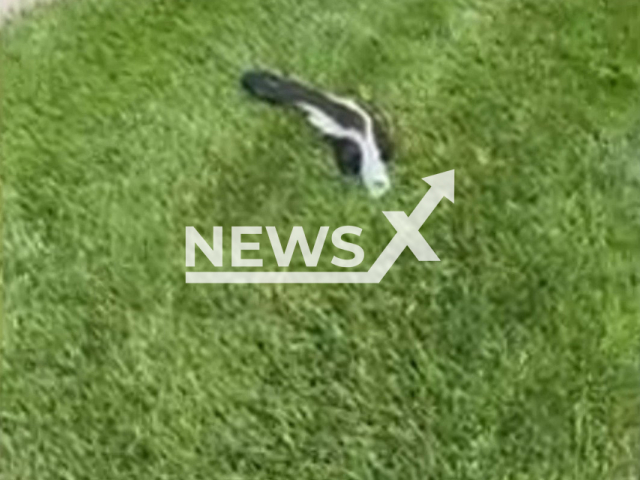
408, 235
442, 185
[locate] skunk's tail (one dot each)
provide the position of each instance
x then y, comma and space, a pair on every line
275, 89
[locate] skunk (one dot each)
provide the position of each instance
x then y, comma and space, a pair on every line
360, 143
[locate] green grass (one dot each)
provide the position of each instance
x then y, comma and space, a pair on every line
515, 357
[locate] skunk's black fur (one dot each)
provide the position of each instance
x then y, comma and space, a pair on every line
358, 138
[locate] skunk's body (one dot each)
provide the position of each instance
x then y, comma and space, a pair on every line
361, 145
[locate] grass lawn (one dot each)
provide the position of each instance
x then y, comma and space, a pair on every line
514, 358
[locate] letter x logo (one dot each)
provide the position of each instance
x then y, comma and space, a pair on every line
408, 227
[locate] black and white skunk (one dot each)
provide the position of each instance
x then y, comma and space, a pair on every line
361, 144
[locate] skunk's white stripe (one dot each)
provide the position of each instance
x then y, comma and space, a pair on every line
372, 170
